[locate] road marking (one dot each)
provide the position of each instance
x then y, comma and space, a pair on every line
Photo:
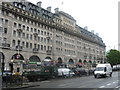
62, 85
109, 84
45, 81
65, 84
114, 82
101, 86
117, 87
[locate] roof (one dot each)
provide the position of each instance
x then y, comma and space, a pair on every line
67, 15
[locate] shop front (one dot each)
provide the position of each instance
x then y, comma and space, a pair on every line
16, 64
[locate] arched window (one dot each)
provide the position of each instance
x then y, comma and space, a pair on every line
18, 56
34, 58
71, 61
60, 60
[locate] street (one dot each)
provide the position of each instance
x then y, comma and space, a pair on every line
81, 82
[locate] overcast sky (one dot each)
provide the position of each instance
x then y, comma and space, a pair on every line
98, 15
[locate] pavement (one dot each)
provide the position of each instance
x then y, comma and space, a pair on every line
24, 85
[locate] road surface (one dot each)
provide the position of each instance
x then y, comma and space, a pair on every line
82, 82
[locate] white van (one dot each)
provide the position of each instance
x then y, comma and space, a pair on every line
103, 70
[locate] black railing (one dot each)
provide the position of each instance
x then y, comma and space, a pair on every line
19, 48
35, 50
35, 34
49, 52
13, 80
5, 45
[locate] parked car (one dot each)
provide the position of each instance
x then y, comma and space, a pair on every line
77, 72
81, 71
65, 72
6, 73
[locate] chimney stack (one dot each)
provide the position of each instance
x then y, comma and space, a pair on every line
49, 8
56, 10
39, 4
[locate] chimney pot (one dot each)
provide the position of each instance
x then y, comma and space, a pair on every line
49, 8
56, 10
39, 4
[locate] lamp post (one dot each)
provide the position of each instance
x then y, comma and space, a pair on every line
2, 64
2, 61
0, 73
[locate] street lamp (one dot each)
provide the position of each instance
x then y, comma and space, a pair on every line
2, 61
2, 57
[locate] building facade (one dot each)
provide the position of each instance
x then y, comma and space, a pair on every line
32, 34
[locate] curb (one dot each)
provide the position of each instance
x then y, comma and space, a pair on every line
12, 88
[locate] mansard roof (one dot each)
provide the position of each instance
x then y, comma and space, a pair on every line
67, 15
91, 35
34, 9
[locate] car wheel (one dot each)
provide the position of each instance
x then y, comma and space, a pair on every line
105, 76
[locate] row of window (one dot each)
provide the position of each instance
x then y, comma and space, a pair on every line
68, 21
30, 45
30, 37
31, 29
39, 47
4, 21
44, 40
59, 43
68, 45
70, 52
69, 40
20, 5
68, 26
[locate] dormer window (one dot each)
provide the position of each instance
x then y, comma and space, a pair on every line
15, 3
20, 6
23, 7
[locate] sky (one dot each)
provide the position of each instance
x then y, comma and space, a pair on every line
98, 15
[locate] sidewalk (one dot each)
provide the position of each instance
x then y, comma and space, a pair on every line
24, 85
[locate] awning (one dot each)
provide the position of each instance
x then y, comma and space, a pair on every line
47, 60
80, 64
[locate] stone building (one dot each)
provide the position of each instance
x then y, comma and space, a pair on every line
30, 34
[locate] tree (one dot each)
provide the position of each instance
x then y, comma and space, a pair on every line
113, 57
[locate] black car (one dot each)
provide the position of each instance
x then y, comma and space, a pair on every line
79, 71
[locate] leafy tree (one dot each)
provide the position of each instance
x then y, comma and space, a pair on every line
113, 57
